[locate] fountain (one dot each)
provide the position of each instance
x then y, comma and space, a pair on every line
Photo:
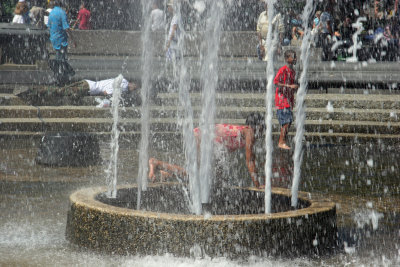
231, 222
346, 212
234, 227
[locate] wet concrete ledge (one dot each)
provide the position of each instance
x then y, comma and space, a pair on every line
95, 225
234, 73
101, 54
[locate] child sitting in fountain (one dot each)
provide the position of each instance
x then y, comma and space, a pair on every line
227, 137
284, 96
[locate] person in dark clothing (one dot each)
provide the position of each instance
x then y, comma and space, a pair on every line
345, 35
326, 34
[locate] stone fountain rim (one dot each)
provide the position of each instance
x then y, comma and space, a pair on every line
86, 197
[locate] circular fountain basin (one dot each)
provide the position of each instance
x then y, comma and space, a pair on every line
234, 225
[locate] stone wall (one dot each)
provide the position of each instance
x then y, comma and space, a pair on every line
100, 42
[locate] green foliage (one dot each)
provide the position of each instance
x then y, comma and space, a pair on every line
7, 7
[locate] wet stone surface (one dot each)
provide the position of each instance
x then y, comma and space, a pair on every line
224, 201
361, 179
234, 232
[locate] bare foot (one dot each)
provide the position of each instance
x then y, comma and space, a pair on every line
284, 146
152, 176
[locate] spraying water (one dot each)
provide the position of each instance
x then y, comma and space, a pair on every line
147, 62
300, 106
271, 42
189, 142
356, 44
112, 170
209, 81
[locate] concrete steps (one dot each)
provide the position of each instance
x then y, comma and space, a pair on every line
328, 117
10, 99
312, 113
378, 101
170, 124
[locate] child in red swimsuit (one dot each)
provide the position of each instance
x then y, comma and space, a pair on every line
284, 96
232, 137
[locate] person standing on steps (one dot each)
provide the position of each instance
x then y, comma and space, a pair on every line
59, 33
172, 48
83, 18
262, 32
284, 96
21, 13
157, 18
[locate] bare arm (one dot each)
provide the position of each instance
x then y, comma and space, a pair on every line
262, 48
259, 38
171, 36
76, 22
291, 86
258, 30
329, 25
250, 157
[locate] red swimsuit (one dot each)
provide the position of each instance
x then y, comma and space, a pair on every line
229, 135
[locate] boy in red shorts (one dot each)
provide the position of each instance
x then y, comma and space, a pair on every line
284, 95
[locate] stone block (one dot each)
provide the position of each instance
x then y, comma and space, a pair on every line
68, 149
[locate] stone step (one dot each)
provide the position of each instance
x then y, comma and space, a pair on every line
162, 125
64, 112
6, 89
229, 68
172, 141
10, 99
391, 101
222, 112
354, 114
242, 100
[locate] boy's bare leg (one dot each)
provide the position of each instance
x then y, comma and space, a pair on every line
282, 138
166, 169
152, 163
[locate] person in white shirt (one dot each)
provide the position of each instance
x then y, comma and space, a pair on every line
21, 13
262, 32
106, 87
37, 16
173, 34
50, 7
95, 88
157, 18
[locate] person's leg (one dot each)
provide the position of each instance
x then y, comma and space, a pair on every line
80, 88
285, 118
282, 138
62, 70
326, 47
166, 169
59, 55
294, 33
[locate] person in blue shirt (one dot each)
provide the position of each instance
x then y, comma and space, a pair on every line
59, 33
59, 30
